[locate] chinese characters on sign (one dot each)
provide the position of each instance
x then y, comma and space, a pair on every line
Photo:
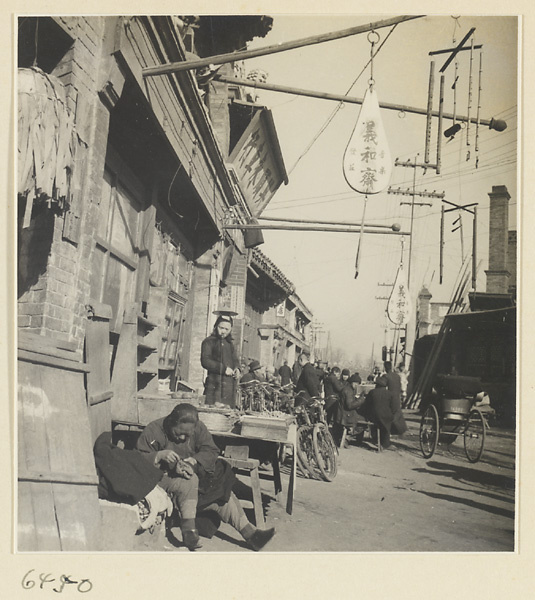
257, 163
399, 304
367, 163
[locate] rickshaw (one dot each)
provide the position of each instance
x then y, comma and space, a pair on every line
450, 413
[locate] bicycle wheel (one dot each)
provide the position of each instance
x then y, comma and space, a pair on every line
474, 435
325, 452
429, 427
305, 451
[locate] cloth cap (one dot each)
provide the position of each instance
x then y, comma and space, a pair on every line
381, 381
254, 365
345, 371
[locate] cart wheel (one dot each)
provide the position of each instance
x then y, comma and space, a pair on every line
325, 451
429, 430
474, 435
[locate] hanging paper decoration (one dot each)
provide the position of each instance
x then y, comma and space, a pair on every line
367, 163
399, 306
47, 140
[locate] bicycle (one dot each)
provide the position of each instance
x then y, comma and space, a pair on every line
316, 450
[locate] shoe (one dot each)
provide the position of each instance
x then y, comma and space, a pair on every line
260, 538
190, 539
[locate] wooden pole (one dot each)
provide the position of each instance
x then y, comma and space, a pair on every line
456, 50
441, 253
349, 99
316, 222
220, 59
312, 228
474, 251
429, 109
440, 117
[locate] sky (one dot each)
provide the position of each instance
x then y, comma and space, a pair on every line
321, 265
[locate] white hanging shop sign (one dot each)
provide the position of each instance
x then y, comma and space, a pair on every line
367, 162
399, 305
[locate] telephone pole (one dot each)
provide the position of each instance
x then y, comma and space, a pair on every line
410, 330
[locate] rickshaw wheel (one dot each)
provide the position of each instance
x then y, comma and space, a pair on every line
429, 429
474, 435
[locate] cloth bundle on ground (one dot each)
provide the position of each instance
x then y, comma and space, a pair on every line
125, 476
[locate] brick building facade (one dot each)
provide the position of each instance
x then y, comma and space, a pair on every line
125, 185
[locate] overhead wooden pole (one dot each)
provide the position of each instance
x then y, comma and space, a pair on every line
284, 227
317, 222
429, 110
220, 59
497, 124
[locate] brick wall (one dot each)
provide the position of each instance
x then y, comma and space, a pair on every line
497, 273
511, 258
55, 288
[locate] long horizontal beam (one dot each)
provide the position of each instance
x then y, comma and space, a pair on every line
314, 228
496, 124
317, 222
220, 59
447, 50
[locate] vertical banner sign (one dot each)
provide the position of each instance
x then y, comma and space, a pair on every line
367, 163
399, 304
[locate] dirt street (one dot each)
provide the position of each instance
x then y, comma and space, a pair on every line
394, 501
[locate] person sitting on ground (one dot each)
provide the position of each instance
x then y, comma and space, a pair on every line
194, 477
383, 406
253, 374
332, 387
394, 385
308, 385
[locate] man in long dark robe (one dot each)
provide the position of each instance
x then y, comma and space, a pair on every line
332, 387
308, 385
394, 385
181, 445
285, 373
383, 407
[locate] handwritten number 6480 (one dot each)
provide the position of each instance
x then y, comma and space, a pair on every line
83, 586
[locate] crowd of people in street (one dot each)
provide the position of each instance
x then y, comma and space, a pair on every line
176, 454
348, 402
